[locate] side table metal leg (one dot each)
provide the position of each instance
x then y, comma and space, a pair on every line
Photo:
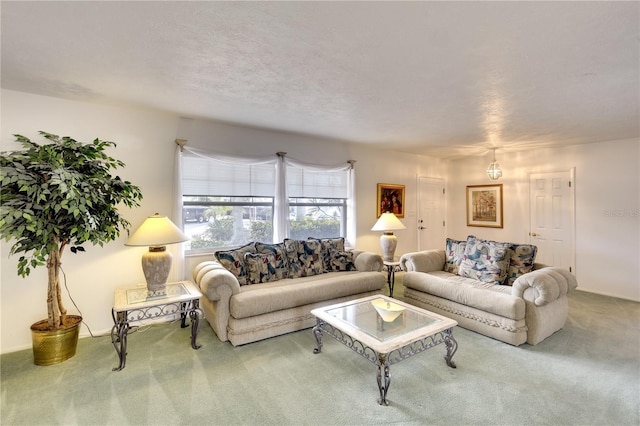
183, 315
119, 339
317, 333
383, 388
452, 347
194, 316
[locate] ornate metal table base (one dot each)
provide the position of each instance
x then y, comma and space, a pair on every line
384, 360
122, 320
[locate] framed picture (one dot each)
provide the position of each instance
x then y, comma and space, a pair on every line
390, 199
484, 205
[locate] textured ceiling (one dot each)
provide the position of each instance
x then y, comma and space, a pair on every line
444, 79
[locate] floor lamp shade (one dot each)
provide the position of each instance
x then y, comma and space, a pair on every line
387, 223
156, 232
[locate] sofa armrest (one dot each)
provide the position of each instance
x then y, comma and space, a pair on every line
217, 285
543, 286
367, 261
215, 282
423, 261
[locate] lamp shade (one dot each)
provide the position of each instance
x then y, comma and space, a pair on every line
388, 222
155, 231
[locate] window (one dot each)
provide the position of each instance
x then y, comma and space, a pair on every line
228, 202
214, 222
317, 203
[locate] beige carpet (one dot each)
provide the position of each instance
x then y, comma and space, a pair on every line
586, 374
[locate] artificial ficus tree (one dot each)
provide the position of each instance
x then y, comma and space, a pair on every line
57, 195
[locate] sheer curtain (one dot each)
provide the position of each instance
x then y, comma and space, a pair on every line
179, 264
281, 201
351, 206
230, 159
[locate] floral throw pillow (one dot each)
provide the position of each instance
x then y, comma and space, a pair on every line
304, 257
454, 254
523, 257
341, 261
261, 268
485, 261
233, 261
329, 244
293, 250
312, 260
280, 255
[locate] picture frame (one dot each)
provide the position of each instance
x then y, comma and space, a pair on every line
484, 206
390, 199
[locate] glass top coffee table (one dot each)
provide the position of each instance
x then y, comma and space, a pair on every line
384, 331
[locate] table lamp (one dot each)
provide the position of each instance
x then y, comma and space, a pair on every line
388, 222
156, 232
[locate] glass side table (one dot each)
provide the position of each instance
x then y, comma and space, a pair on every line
131, 304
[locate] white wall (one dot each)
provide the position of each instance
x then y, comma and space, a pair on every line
146, 145
607, 194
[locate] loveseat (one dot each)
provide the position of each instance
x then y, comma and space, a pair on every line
263, 290
493, 288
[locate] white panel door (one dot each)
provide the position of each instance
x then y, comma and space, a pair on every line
431, 213
553, 218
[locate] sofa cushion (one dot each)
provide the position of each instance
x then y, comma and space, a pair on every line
261, 267
304, 257
281, 265
485, 261
496, 299
258, 299
233, 261
340, 261
454, 254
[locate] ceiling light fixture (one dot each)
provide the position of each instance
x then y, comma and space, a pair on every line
493, 171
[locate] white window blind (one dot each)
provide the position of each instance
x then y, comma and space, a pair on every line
205, 176
305, 183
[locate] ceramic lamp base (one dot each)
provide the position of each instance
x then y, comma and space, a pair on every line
388, 242
156, 265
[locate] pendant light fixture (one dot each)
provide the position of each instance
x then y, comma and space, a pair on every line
493, 171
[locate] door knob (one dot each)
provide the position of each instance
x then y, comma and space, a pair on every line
533, 234
421, 227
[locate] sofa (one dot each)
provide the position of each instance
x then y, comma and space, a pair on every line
490, 287
263, 290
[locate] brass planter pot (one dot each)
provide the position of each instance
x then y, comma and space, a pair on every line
55, 346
